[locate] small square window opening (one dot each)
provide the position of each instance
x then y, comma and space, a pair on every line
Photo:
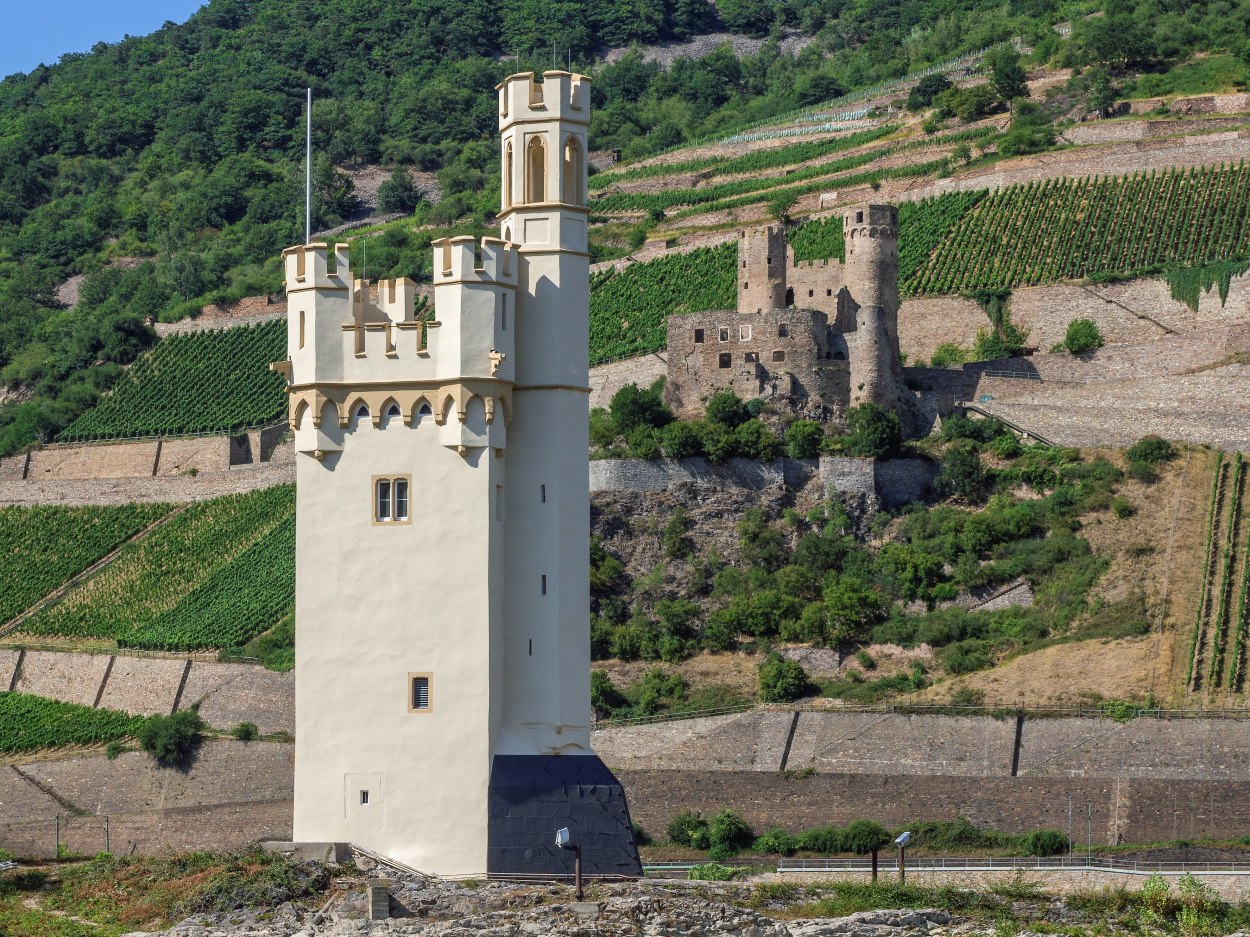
779, 356
744, 333
698, 336
724, 335
726, 359
783, 330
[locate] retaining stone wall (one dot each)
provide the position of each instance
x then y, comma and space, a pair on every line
665, 474
71, 678
143, 686
198, 453
8, 668
607, 379
753, 741
887, 744
171, 488
118, 460
232, 693
1131, 312
1151, 749
1119, 131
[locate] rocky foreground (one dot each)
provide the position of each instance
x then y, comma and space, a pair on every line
434, 908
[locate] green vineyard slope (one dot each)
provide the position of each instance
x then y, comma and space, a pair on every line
164, 570
202, 382
45, 546
28, 723
1070, 229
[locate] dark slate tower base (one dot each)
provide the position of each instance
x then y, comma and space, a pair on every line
532, 796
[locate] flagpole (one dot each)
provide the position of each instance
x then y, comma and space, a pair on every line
308, 174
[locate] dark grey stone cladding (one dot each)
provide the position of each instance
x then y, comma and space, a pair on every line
532, 796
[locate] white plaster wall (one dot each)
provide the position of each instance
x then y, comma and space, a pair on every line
375, 603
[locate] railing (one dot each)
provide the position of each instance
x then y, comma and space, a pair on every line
674, 717
1017, 375
1019, 863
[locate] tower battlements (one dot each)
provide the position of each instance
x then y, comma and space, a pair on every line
559, 96
456, 260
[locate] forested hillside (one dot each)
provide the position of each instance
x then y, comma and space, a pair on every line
165, 170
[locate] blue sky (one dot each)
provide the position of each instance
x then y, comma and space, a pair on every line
41, 31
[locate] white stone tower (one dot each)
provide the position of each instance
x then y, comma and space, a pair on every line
442, 581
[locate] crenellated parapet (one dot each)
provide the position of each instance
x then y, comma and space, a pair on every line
560, 96
359, 354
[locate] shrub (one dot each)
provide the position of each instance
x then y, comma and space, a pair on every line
1142, 472
962, 475
754, 440
864, 659
874, 431
864, 837
641, 836
776, 842
114, 750
727, 409
1082, 337
398, 193
948, 354
602, 428
644, 443
1006, 446
1122, 507
680, 441
717, 441
712, 872
632, 407
605, 698
1151, 449
674, 542
926, 91
246, 731
1045, 843
729, 833
782, 680
170, 740
803, 439
688, 828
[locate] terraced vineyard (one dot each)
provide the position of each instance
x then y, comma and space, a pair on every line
202, 382
216, 575
43, 547
1217, 647
28, 723
1067, 229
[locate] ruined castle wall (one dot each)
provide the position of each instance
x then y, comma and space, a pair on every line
815, 285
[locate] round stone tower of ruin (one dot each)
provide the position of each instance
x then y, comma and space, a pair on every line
871, 278
762, 269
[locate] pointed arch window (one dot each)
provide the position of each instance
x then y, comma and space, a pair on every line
535, 171
507, 175
573, 172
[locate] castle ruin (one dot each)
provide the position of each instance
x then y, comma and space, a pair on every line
816, 336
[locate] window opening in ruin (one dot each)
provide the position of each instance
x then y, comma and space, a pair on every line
746, 285
779, 356
811, 293
390, 500
783, 330
573, 172
698, 336
829, 292
744, 333
790, 296
419, 693
535, 171
859, 217
726, 359
751, 357
724, 335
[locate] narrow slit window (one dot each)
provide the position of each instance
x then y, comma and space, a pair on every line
542, 493
419, 692
503, 316
531, 647
364, 798
544, 584
301, 328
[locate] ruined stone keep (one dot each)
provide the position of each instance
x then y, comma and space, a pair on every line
805, 334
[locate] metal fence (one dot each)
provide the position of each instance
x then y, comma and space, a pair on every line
1127, 866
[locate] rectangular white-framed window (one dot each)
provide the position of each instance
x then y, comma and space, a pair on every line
391, 502
744, 333
420, 698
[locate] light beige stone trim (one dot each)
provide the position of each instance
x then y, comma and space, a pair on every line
572, 387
